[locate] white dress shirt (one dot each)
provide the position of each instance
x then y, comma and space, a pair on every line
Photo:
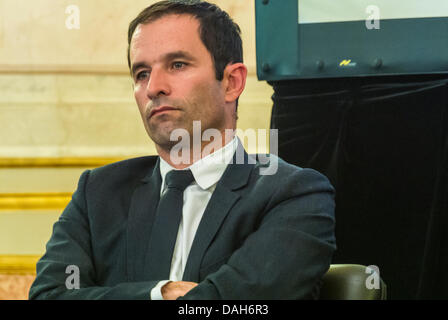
206, 172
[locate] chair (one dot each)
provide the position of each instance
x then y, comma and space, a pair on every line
352, 282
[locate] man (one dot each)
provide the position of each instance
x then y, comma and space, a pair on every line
238, 234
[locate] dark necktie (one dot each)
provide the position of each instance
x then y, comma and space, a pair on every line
166, 224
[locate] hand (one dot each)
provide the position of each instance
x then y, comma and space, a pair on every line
173, 290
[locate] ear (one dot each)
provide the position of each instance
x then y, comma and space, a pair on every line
234, 80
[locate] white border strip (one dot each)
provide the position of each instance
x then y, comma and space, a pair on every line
318, 11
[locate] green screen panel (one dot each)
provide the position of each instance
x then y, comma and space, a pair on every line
410, 41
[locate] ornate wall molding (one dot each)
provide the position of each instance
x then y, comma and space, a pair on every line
18, 264
56, 162
34, 201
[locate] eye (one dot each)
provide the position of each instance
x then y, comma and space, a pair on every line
178, 65
142, 75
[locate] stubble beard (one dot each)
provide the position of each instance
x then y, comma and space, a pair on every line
201, 110
160, 134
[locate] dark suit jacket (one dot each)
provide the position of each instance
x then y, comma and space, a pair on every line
261, 236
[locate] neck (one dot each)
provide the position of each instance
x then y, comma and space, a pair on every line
185, 153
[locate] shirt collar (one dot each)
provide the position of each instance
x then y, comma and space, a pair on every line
208, 170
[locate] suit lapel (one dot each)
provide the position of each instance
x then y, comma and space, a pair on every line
223, 199
141, 216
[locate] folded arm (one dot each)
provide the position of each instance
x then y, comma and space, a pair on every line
289, 253
70, 245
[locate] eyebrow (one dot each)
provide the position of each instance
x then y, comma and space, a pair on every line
166, 57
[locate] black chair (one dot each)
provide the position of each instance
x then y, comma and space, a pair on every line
352, 282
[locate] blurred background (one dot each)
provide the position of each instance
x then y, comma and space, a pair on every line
66, 105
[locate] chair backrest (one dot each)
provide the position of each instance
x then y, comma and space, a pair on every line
352, 282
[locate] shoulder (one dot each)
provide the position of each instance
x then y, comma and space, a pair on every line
130, 166
122, 172
274, 170
286, 181
302, 190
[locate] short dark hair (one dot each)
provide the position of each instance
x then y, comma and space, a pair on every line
218, 32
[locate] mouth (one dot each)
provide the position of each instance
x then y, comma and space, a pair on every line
160, 110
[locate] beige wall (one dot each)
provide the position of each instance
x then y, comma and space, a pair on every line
66, 94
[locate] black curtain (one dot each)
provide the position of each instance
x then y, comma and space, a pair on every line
382, 142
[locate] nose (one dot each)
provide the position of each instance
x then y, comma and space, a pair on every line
157, 84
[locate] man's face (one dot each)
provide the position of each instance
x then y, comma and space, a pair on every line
174, 79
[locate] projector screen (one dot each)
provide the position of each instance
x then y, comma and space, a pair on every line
320, 11
298, 39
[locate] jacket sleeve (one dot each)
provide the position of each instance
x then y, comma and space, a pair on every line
286, 257
70, 245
